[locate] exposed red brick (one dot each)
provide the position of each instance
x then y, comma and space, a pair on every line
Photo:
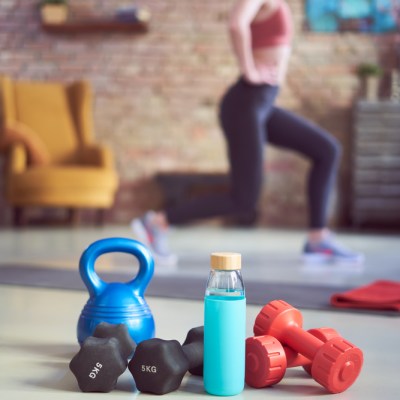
156, 95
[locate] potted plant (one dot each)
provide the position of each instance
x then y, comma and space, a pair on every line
54, 11
370, 73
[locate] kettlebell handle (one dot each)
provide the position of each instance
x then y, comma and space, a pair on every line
95, 285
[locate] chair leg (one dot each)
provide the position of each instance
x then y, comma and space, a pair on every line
73, 216
100, 216
18, 216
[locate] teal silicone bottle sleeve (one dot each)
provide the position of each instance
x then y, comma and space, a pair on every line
224, 344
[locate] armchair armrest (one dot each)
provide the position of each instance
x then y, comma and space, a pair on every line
97, 155
17, 132
17, 160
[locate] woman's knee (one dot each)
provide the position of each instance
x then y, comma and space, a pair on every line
333, 150
327, 149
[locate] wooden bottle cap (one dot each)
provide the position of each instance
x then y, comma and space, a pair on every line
226, 261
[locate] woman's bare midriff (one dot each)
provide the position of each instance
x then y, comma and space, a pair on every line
272, 63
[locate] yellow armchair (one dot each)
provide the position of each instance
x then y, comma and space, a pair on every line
52, 159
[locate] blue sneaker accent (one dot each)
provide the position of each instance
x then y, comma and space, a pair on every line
155, 238
330, 251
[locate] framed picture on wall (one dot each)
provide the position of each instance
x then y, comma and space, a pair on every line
373, 16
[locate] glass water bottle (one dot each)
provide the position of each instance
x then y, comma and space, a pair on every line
224, 326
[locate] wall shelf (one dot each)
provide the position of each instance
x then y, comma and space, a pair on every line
96, 25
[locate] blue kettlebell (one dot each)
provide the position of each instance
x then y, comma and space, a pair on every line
116, 302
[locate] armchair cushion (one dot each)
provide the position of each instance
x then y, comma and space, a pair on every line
96, 155
45, 108
64, 187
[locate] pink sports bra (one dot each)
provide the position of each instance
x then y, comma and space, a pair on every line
276, 30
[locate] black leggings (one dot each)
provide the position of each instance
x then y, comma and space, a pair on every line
249, 119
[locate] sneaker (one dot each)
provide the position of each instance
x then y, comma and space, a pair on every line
330, 251
155, 238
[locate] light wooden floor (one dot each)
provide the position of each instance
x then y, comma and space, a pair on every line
38, 326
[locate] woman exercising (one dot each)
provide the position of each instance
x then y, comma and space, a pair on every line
261, 32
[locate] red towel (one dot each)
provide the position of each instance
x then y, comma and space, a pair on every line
379, 295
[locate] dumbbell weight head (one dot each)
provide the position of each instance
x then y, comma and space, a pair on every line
98, 365
101, 360
274, 317
324, 334
193, 347
121, 333
337, 365
265, 361
158, 366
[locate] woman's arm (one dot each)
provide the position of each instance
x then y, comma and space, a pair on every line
243, 13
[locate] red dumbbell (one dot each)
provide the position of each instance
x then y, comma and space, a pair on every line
336, 364
267, 360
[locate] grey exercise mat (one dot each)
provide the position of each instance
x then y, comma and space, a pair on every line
181, 287
172, 286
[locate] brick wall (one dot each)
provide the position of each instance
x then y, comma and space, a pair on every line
156, 94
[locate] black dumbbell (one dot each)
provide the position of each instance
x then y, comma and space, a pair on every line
159, 366
102, 358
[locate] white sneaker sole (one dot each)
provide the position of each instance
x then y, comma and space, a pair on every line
314, 259
165, 261
356, 260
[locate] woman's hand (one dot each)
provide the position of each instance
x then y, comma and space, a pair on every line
257, 77
253, 77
